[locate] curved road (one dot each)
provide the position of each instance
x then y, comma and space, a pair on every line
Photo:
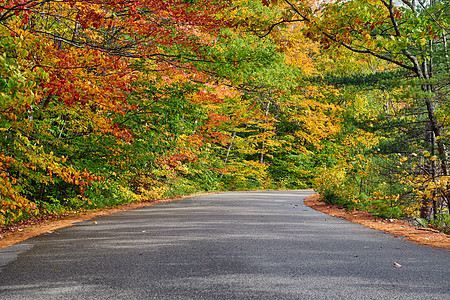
239, 245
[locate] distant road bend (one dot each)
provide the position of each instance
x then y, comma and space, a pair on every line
236, 245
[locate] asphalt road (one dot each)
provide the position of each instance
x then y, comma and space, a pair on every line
239, 245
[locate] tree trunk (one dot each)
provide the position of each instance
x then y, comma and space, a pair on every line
229, 146
261, 159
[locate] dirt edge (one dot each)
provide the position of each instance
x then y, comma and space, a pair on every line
398, 228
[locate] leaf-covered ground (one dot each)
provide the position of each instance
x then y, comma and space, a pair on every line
398, 228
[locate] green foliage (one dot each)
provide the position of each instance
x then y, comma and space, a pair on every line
383, 209
293, 171
441, 222
106, 194
375, 79
330, 196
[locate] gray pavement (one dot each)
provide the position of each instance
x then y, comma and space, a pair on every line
238, 245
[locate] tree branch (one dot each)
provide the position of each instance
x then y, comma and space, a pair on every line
432, 17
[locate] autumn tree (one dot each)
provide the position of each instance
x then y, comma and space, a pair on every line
410, 35
68, 68
295, 114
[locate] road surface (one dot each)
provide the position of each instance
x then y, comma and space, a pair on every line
238, 245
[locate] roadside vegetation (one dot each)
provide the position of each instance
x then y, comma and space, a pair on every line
109, 102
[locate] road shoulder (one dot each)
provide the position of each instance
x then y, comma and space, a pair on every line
398, 228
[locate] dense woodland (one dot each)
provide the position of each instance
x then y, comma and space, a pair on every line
104, 102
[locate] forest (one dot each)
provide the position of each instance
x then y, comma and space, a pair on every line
105, 102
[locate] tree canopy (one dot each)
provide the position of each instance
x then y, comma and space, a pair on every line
108, 102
